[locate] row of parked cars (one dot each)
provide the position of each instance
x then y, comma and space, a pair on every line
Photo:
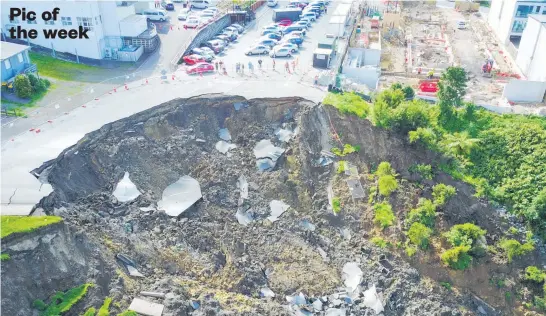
195, 19
200, 59
284, 38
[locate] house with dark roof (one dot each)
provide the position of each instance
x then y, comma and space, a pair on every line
15, 61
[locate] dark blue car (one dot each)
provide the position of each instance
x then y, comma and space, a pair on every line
294, 40
275, 36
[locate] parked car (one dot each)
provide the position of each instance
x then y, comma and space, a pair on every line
167, 5
231, 30
193, 59
155, 15
200, 68
293, 6
214, 10
183, 14
207, 16
223, 37
270, 31
292, 28
199, 4
280, 52
297, 33
293, 40
310, 15
239, 27
217, 46
257, 50
273, 27
275, 36
267, 42
284, 22
232, 36
304, 23
308, 20
203, 51
314, 10
271, 3
192, 22
292, 47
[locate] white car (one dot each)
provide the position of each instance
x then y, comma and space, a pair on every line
271, 3
206, 17
183, 14
257, 50
192, 22
292, 47
272, 27
280, 52
213, 10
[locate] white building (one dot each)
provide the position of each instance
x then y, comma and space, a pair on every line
508, 18
531, 58
115, 31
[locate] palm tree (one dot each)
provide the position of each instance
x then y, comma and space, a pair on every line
459, 144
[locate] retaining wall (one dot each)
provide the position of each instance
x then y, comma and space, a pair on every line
208, 32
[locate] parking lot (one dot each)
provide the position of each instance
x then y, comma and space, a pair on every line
235, 51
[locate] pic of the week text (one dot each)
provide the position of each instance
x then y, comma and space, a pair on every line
20, 33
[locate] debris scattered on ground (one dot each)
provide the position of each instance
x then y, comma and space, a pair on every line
180, 195
267, 155
352, 276
146, 308
224, 147
277, 208
126, 190
224, 134
373, 300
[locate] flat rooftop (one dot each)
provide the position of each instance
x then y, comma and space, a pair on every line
539, 17
11, 49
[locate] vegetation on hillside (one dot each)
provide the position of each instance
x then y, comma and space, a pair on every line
24, 224
61, 302
502, 156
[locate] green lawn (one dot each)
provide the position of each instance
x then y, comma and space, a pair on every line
58, 69
24, 224
62, 302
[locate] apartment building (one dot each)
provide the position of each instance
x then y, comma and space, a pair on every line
115, 31
508, 18
531, 58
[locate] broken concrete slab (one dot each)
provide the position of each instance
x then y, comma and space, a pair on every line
307, 225
267, 154
126, 190
180, 195
355, 187
243, 217
134, 272
224, 147
146, 308
266, 292
284, 135
242, 184
351, 170
224, 134
373, 300
352, 276
277, 208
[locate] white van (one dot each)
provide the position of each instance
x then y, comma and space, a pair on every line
271, 3
155, 15
199, 4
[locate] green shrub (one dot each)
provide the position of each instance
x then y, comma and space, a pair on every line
419, 235
373, 193
410, 116
39, 305
103, 311
457, 257
513, 248
464, 234
348, 103
336, 205
425, 213
534, 274
411, 250
128, 313
512, 230
341, 166
90, 312
425, 135
447, 285
441, 193
347, 149
424, 170
4, 257
396, 86
379, 242
385, 169
540, 303
61, 302
409, 93
22, 85
387, 185
384, 216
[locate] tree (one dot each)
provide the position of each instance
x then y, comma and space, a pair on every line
419, 235
387, 185
392, 98
408, 92
384, 216
457, 257
441, 193
464, 235
459, 144
452, 86
23, 88
425, 213
385, 169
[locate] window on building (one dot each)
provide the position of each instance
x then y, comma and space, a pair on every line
98, 20
537, 9
524, 10
87, 23
65, 20
7, 64
518, 26
32, 22
50, 22
20, 57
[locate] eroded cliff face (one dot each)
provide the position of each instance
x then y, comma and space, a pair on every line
209, 254
51, 259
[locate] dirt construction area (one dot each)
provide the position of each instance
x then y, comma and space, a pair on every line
432, 41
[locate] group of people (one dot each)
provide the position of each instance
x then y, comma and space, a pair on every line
240, 67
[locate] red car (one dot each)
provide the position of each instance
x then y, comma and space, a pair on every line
200, 68
193, 59
284, 22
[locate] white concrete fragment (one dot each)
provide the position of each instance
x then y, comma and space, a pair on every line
277, 209
224, 134
242, 184
224, 147
243, 217
266, 292
317, 305
126, 190
372, 300
284, 135
146, 308
352, 276
134, 272
335, 312
179, 196
152, 294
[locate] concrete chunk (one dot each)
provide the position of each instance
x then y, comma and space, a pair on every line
146, 308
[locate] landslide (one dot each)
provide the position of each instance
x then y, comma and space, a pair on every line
207, 255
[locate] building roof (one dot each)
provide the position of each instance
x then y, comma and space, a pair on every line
342, 9
11, 49
338, 19
327, 41
323, 51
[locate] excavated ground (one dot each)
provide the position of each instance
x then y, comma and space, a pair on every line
206, 255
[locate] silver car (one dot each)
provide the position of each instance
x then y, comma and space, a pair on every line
257, 50
280, 52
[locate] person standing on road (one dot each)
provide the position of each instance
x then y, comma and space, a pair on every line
273, 64
242, 69
287, 67
250, 67
216, 65
293, 65
237, 67
260, 63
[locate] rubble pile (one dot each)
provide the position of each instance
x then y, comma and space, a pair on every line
198, 229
